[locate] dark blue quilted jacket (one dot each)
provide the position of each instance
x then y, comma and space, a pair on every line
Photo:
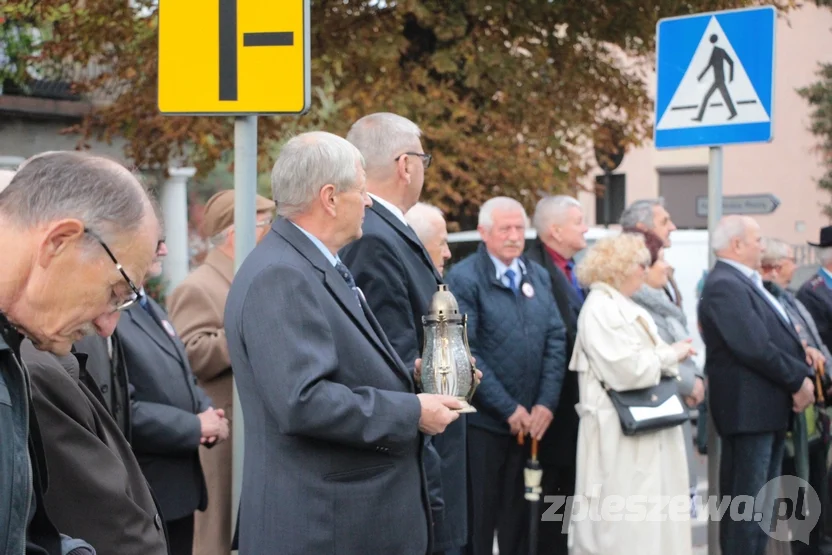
519, 342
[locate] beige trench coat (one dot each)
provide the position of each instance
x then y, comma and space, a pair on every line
196, 309
618, 342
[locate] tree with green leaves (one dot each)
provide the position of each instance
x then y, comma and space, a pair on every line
819, 97
512, 95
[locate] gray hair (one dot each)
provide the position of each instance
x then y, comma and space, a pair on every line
419, 218
101, 193
503, 204
729, 228
825, 255
774, 250
5, 178
383, 136
550, 210
220, 238
640, 212
306, 164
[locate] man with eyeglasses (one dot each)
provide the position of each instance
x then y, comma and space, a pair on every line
171, 415
59, 284
394, 270
196, 309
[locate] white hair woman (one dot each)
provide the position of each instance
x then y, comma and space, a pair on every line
628, 478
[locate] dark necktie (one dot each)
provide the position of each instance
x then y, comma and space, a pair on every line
511, 283
570, 271
345, 273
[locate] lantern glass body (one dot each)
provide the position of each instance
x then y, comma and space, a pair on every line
446, 358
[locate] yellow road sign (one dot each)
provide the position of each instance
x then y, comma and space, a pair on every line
234, 57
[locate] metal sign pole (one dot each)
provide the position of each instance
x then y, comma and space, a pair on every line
245, 193
714, 215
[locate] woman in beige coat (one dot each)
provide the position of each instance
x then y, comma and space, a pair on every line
631, 492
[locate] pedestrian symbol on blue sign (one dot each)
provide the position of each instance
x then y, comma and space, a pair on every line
715, 78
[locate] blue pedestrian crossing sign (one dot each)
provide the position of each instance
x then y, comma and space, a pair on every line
715, 78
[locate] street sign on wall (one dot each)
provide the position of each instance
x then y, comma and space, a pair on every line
741, 204
234, 57
715, 75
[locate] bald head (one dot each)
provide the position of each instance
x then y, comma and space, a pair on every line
738, 238
81, 233
67, 184
429, 225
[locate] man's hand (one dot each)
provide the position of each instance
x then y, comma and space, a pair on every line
697, 395
437, 412
211, 423
804, 397
226, 426
520, 421
539, 421
815, 359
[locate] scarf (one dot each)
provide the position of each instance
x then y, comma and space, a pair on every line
665, 313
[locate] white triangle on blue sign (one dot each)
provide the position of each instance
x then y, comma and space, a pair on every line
687, 101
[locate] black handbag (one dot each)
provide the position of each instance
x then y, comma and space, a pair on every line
638, 409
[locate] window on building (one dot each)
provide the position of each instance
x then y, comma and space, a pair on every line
681, 189
609, 204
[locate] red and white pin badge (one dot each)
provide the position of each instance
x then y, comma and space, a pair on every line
528, 290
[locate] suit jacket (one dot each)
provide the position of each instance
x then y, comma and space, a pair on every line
97, 490
196, 309
398, 277
109, 375
165, 402
560, 443
817, 298
754, 360
333, 452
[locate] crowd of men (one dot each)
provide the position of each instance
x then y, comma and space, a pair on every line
115, 412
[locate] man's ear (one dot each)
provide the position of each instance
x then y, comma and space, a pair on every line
401, 169
60, 236
554, 230
328, 198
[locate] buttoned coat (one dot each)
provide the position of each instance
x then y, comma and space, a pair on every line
618, 344
165, 403
196, 308
97, 490
333, 452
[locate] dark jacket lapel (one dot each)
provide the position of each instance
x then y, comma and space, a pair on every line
408, 234
786, 325
338, 288
151, 327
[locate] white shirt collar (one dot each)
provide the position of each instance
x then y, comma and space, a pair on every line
319, 244
516, 265
392, 208
743, 269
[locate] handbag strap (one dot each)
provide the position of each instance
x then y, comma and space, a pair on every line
646, 330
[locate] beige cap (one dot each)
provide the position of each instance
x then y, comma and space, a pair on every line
219, 211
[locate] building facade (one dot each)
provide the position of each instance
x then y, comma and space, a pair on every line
788, 167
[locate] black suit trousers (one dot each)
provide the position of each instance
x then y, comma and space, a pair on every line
181, 535
497, 488
552, 535
747, 463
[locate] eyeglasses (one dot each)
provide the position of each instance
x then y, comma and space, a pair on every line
135, 293
426, 158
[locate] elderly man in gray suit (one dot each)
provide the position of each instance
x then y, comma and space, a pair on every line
333, 423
